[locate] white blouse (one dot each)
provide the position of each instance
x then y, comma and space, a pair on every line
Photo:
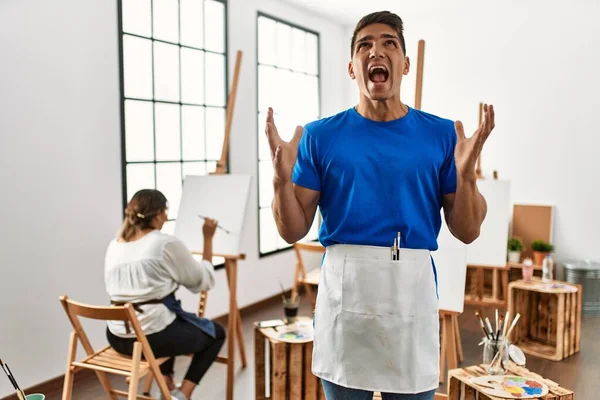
151, 268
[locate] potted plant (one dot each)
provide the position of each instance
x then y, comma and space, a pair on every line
540, 250
515, 247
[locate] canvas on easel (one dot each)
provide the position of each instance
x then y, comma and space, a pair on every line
220, 197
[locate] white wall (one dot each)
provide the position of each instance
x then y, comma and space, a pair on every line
61, 174
538, 64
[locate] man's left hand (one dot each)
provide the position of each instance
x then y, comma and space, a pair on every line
467, 150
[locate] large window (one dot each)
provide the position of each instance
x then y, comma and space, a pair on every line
288, 81
174, 73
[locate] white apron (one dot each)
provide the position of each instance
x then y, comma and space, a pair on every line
376, 320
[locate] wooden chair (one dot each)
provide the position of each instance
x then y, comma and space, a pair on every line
107, 360
309, 280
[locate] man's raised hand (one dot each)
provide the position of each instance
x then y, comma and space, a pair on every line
283, 154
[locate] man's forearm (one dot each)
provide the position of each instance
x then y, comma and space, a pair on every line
468, 211
289, 215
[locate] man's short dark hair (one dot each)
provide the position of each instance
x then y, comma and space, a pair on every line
380, 17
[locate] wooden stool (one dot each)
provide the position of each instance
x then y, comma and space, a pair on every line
550, 325
460, 385
289, 361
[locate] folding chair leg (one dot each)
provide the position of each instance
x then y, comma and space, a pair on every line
135, 371
69, 374
148, 384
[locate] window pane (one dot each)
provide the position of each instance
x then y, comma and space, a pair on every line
264, 151
284, 40
139, 131
194, 168
168, 181
136, 17
214, 21
191, 23
211, 166
165, 16
312, 85
266, 41
192, 119
168, 146
139, 176
137, 67
215, 131
192, 76
166, 72
268, 231
281, 97
298, 50
312, 59
267, 88
215, 79
265, 184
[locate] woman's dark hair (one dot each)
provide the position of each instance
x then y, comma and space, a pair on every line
140, 211
381, 17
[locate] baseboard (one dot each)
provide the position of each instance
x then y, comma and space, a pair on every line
54, 385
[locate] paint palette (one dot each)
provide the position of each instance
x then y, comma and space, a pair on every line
511, 387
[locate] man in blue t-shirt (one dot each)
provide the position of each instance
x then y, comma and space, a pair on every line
375, 170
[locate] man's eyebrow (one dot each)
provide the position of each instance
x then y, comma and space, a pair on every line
365, 38
389, 36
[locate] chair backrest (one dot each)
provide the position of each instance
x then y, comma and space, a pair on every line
125, 313
309, 254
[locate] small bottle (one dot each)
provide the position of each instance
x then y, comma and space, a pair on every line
548, 269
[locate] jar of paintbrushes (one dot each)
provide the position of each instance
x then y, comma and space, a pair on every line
495, 343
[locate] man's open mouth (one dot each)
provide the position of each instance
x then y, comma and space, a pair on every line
378, 73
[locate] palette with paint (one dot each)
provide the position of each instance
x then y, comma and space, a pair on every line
511, 387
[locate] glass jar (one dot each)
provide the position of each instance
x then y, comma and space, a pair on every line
496, 356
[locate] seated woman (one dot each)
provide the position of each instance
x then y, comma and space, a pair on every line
144, 266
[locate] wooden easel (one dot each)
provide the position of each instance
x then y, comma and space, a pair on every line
222, 163
234, 319
451, 348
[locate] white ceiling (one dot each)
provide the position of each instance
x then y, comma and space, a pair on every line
349, 12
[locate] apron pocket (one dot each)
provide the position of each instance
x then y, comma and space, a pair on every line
380, 287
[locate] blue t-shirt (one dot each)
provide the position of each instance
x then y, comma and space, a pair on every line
379, 178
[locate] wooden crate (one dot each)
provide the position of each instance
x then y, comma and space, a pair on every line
550, 325
290, 376
460, 386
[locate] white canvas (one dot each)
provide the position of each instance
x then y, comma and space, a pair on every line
220, 197
451, 266
490, 248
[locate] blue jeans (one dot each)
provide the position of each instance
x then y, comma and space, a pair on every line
336, 392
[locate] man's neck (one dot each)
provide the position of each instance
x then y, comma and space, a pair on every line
381, 111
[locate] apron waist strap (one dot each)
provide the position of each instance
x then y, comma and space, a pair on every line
137, 306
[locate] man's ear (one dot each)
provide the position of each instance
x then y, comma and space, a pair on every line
406, 66
351, 70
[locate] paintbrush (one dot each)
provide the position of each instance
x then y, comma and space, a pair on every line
218, 226
488, 325
505, 323
482, 326
497, 322
512, 325
282, 292
13, 381
500, 328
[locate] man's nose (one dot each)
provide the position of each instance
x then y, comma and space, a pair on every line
376, 52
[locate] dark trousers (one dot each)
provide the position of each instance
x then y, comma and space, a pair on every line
178, 339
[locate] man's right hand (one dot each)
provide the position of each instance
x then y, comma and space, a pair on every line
283, 154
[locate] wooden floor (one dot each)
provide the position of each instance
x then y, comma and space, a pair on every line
578, 373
